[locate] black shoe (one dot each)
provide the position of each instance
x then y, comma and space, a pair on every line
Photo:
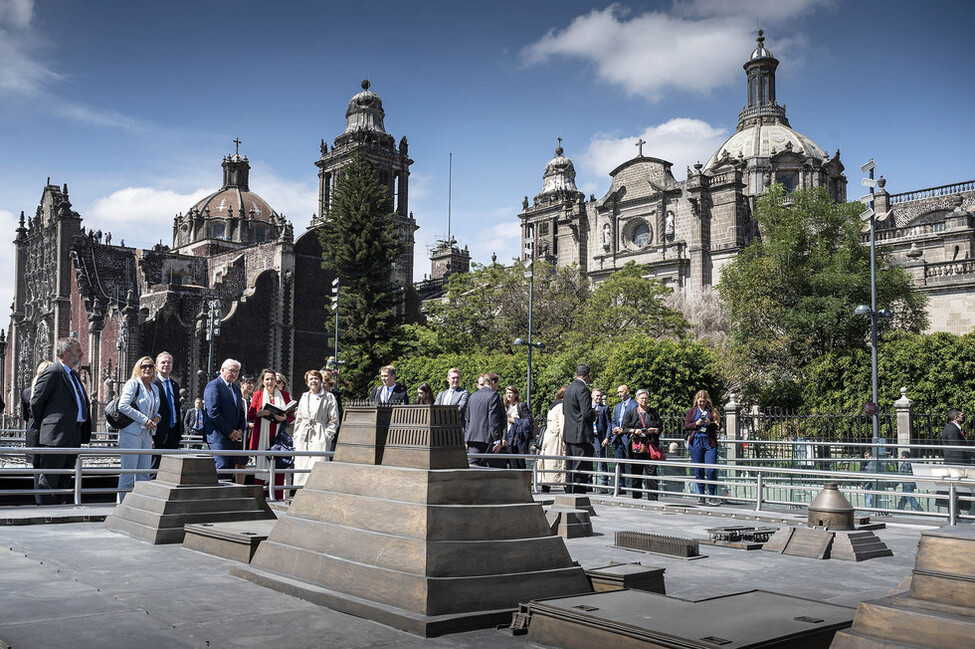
702, 501
638, 496
546, 488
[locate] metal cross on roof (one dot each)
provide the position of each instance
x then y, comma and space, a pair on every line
237, 147
639, 144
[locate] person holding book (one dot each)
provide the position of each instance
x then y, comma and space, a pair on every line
269, 408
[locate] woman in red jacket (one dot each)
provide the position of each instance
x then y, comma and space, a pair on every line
266, 424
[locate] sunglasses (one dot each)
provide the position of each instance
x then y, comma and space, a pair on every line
147, 367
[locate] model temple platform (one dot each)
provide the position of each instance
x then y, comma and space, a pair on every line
185, 490
399, 530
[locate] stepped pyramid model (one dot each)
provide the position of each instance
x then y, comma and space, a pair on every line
185, 490
399, 530
938, 612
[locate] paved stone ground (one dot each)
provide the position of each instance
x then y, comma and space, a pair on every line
76, 585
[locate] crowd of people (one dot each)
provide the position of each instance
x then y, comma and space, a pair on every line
581, 435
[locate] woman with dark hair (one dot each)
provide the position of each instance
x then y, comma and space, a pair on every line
139, 401
519, 432
266, 423
424, 395
553, 470
642, 426
702, 424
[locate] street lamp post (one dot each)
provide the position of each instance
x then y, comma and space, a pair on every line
335, 307
530, 242
212, 331
871, 310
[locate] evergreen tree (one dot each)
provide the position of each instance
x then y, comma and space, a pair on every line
359, 246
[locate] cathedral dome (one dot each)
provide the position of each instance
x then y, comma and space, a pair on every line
235, 199
365, 112
560, 175
762, 140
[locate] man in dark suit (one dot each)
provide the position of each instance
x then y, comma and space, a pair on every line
390, 392
577, 430
61, 416
226, 417
169, 431
952, 435
620, 441
454, 395
487, 422
193, 421
600, 442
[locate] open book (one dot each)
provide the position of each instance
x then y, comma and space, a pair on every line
274, 410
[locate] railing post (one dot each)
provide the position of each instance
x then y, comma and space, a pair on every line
616, 478
77, 479
535, 476
732, 413
758, 492
904, 408
270, 479
952, 504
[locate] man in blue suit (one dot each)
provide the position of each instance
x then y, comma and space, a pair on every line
619, 440
226, 417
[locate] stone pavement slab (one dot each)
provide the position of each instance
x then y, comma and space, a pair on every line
77, 585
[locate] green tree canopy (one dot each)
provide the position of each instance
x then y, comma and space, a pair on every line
791, 294
360, 245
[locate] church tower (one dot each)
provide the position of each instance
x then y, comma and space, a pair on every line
557, 216
365, 134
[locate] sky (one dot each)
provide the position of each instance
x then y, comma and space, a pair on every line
133, 104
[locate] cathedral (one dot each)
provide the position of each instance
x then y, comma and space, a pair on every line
684, 231
236, 282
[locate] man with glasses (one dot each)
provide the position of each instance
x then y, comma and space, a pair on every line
226, 418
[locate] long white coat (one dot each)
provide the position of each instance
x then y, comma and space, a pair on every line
314, 429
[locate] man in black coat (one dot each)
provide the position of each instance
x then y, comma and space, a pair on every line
601, 430
169, 431
390, 392
577, 431
61, 415
952, 435
487, 421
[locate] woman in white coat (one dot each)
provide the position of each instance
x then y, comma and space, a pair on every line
139, 401
316, 420
553, 470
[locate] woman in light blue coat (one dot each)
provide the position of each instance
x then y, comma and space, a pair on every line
139, 401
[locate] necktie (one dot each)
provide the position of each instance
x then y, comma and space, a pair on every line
199, 424
385, 394
80, 395
172, 405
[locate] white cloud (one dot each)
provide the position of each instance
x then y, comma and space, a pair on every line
682, 141
97, 116
17, 12
141, 216
295, 199
502, 238
8, 223
700, 45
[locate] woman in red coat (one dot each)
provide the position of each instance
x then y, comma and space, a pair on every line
266, 424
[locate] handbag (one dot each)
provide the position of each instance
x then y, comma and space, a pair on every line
283, 442
639, 445
115, 417
656, 453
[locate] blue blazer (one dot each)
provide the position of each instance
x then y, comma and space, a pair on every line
222, 416
619, 415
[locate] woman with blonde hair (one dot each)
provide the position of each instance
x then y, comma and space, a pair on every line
139, 401
702, 424
316, 422
553, 470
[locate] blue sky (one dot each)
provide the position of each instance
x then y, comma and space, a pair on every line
133, 104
